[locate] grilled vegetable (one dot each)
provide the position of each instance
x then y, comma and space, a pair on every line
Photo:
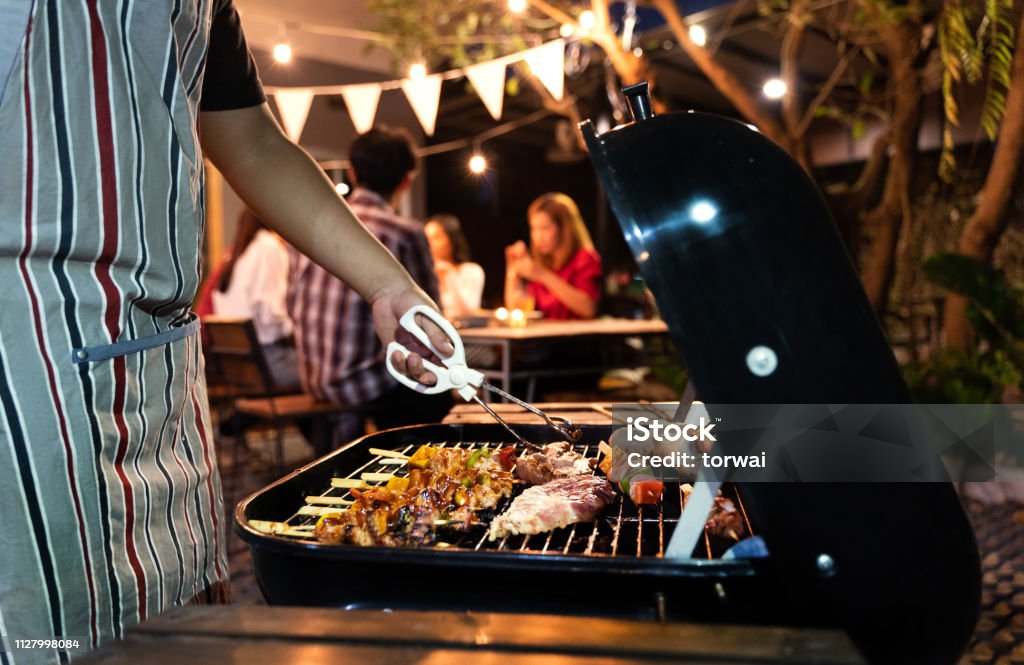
477, 454
645, 490
507, 457
397, 483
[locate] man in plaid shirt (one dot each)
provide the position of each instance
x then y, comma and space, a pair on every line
341, 360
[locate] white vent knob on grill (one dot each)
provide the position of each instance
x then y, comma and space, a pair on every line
762, 361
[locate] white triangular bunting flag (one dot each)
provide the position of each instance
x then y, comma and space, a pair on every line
424, 95
488, 79
361, 101
547, 62
293, 105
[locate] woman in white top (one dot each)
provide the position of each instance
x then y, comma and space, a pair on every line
252, 284
461, 281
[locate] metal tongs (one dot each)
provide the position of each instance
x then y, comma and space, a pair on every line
456, 375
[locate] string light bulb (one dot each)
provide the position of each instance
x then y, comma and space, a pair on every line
588, 20
417, 70
566, 30
516, 6
698, 35
341, 188
477, 163
774, 88
283, 52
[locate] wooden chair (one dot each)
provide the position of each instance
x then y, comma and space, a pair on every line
238, 374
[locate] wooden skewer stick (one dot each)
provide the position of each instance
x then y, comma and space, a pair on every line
347, 483
328, 501
371, 477
388, 453
317, 511
393, 460
281, 528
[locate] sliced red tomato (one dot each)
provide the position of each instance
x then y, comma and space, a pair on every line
507, 457
646, 491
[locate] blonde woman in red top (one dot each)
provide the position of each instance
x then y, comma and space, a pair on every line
561, 270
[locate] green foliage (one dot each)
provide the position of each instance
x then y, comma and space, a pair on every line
996, 311
965, 53
996, 35
995, 308
453, 34
957, 377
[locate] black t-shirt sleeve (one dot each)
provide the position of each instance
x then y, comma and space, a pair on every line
231, 80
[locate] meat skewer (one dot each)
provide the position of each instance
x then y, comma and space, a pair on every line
554, 505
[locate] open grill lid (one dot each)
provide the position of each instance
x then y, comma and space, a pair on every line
739, 250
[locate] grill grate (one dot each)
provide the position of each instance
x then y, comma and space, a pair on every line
624, 529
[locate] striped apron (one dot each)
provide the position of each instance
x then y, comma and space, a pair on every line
109, 495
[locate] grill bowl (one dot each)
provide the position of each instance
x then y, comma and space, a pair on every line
564, 580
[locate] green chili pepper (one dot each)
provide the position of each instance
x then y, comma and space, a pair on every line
477, 454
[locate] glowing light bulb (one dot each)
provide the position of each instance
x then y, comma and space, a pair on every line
637, 52
501, 314
588, 20
341, 188
282, 52
774, 88
417, 70
566, 30
516, 6
477, 163
703, 212
517, 319
698, 35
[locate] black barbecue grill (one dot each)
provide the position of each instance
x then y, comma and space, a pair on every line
610, 567
739, 250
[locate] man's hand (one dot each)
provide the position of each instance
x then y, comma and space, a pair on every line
388, 308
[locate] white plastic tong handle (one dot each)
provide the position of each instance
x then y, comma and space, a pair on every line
454, 375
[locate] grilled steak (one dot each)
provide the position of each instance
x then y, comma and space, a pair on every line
553, 505
555, 460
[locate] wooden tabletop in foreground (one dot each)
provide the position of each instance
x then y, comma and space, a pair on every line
257, 635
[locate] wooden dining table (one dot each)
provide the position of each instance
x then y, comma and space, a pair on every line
506, 350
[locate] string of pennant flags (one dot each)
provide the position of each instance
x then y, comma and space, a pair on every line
547, 62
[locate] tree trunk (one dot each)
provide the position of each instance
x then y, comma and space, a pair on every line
724, 80
849, 202
885, 220
789, 69
987, 224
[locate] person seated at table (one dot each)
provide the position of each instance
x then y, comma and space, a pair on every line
461, 281
341, 358
561, 269
251, 283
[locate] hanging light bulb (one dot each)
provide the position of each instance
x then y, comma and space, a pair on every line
588, 20
478, 163
516, 6
566, 30
698, 35
774, 88
283, 52
417, 70
341, 188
